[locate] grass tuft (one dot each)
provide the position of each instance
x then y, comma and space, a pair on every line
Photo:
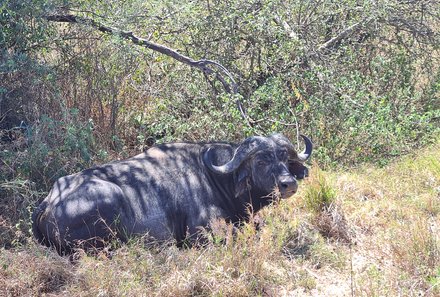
27, 273
332, 224
319, 193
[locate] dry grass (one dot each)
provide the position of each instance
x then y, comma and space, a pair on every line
367, 232
25, 272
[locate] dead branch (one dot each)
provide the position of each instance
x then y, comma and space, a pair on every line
208, 67
286, 27
332, 42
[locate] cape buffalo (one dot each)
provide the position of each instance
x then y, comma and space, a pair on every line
169, 192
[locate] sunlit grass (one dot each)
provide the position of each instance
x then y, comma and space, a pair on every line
368, 232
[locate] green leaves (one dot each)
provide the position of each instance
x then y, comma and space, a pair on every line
369, 94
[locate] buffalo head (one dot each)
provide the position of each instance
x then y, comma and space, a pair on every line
262, 164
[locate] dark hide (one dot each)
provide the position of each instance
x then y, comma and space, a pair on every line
298, 170
168, 192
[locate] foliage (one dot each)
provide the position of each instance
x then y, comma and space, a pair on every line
71, 97
369, 96
26, 82
48, 150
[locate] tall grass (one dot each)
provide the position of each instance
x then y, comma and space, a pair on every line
365, 232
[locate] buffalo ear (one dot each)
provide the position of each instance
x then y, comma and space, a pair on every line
242, 183
297, 169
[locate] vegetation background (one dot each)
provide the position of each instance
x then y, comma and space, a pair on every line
361, 78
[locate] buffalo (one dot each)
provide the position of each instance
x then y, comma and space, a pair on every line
171, 191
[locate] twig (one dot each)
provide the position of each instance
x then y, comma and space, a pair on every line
343, 34
208, 67
351, 270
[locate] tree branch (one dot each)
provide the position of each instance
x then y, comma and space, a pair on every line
332, 42
208, 67
286, 27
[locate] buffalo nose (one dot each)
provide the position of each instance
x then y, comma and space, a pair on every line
287, 184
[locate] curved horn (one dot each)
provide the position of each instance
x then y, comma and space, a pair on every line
246, 148
303, 156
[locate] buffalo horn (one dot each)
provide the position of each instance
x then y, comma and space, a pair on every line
303, 156
247, 148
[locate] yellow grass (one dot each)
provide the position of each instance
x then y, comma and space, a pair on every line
364, 232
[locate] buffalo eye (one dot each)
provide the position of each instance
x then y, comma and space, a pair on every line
302, 174
282, 155
265, 159
298, 170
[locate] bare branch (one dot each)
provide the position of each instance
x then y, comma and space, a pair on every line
331, 43
208, 67
287, 28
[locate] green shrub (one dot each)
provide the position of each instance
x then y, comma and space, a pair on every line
319, 193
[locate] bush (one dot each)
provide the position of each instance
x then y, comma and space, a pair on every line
56, 148
319, 193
